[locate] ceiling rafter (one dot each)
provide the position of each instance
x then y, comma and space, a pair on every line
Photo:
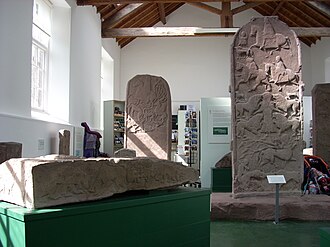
162, 15
206, 7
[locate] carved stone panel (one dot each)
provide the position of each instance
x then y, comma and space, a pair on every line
55, 180
10, 150
149, 116
266, 94
321, 121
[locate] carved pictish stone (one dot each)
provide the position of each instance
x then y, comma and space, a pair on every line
266, 94
50, 181
124, 153
321, 121
64, 142
225, 161
10, 150
149, 116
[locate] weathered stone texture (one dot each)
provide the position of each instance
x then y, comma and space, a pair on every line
148, 123
321, 121
10, 150
125, 153
64, 142
266, 93
50, 181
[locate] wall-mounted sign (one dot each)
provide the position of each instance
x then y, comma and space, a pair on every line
219, 127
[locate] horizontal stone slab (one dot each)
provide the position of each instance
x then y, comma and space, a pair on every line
49, 181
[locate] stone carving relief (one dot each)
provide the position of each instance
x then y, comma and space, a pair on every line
266, 100
148, 123
55, 180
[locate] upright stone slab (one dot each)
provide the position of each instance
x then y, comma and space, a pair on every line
64, 142
321, 121
148, 122
10, 150
266, 94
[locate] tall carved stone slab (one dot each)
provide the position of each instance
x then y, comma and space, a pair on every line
64, 142
321, 120
148, 121
266, 94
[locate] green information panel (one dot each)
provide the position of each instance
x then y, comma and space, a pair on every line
220, 130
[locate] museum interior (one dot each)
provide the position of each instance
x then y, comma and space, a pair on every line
164, 123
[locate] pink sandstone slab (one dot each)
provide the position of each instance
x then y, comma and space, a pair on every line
45, 182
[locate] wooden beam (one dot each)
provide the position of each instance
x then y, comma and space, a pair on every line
162, 15
226, 15
206, 7
167, 32
198, 31
98, 2
278, 7
312, 31
121, 15
245, 7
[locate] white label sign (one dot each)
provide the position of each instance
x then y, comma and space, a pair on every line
276, 179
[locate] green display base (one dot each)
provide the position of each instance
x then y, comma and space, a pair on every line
324, 236
221, 180
178, 217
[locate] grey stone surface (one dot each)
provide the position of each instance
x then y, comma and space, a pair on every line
148, 123
266, 94
55, 180
125, 153
64, 142
321, 121
10, 150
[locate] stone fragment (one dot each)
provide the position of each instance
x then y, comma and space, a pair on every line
64, 142
321, 120
43, 182
266, 95
149, 117
125, 153
10, 150
225, 161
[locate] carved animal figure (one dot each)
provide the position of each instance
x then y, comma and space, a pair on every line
267, 39
251, 74
253, 126
287, 105
284, 124
248, 107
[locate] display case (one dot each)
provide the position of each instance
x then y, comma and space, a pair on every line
188, 137
114, 126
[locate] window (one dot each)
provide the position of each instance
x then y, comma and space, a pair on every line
40, 54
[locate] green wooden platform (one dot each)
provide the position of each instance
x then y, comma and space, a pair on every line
178, 217
324, 237
221, 180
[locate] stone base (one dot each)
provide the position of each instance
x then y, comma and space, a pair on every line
307, 207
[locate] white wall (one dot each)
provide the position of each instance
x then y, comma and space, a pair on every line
85, 67
76, 67
320, 53
114, 51
15, 58
194, 67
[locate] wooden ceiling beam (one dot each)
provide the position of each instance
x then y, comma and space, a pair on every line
98, 2
120, 15
278, 7
245, 7
198, 31
161, 10
206, 7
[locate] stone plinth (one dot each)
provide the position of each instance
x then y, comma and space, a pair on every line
10, 150
266, 94
321, 121
44, 182
148, 123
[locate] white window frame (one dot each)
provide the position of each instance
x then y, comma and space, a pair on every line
39, 84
